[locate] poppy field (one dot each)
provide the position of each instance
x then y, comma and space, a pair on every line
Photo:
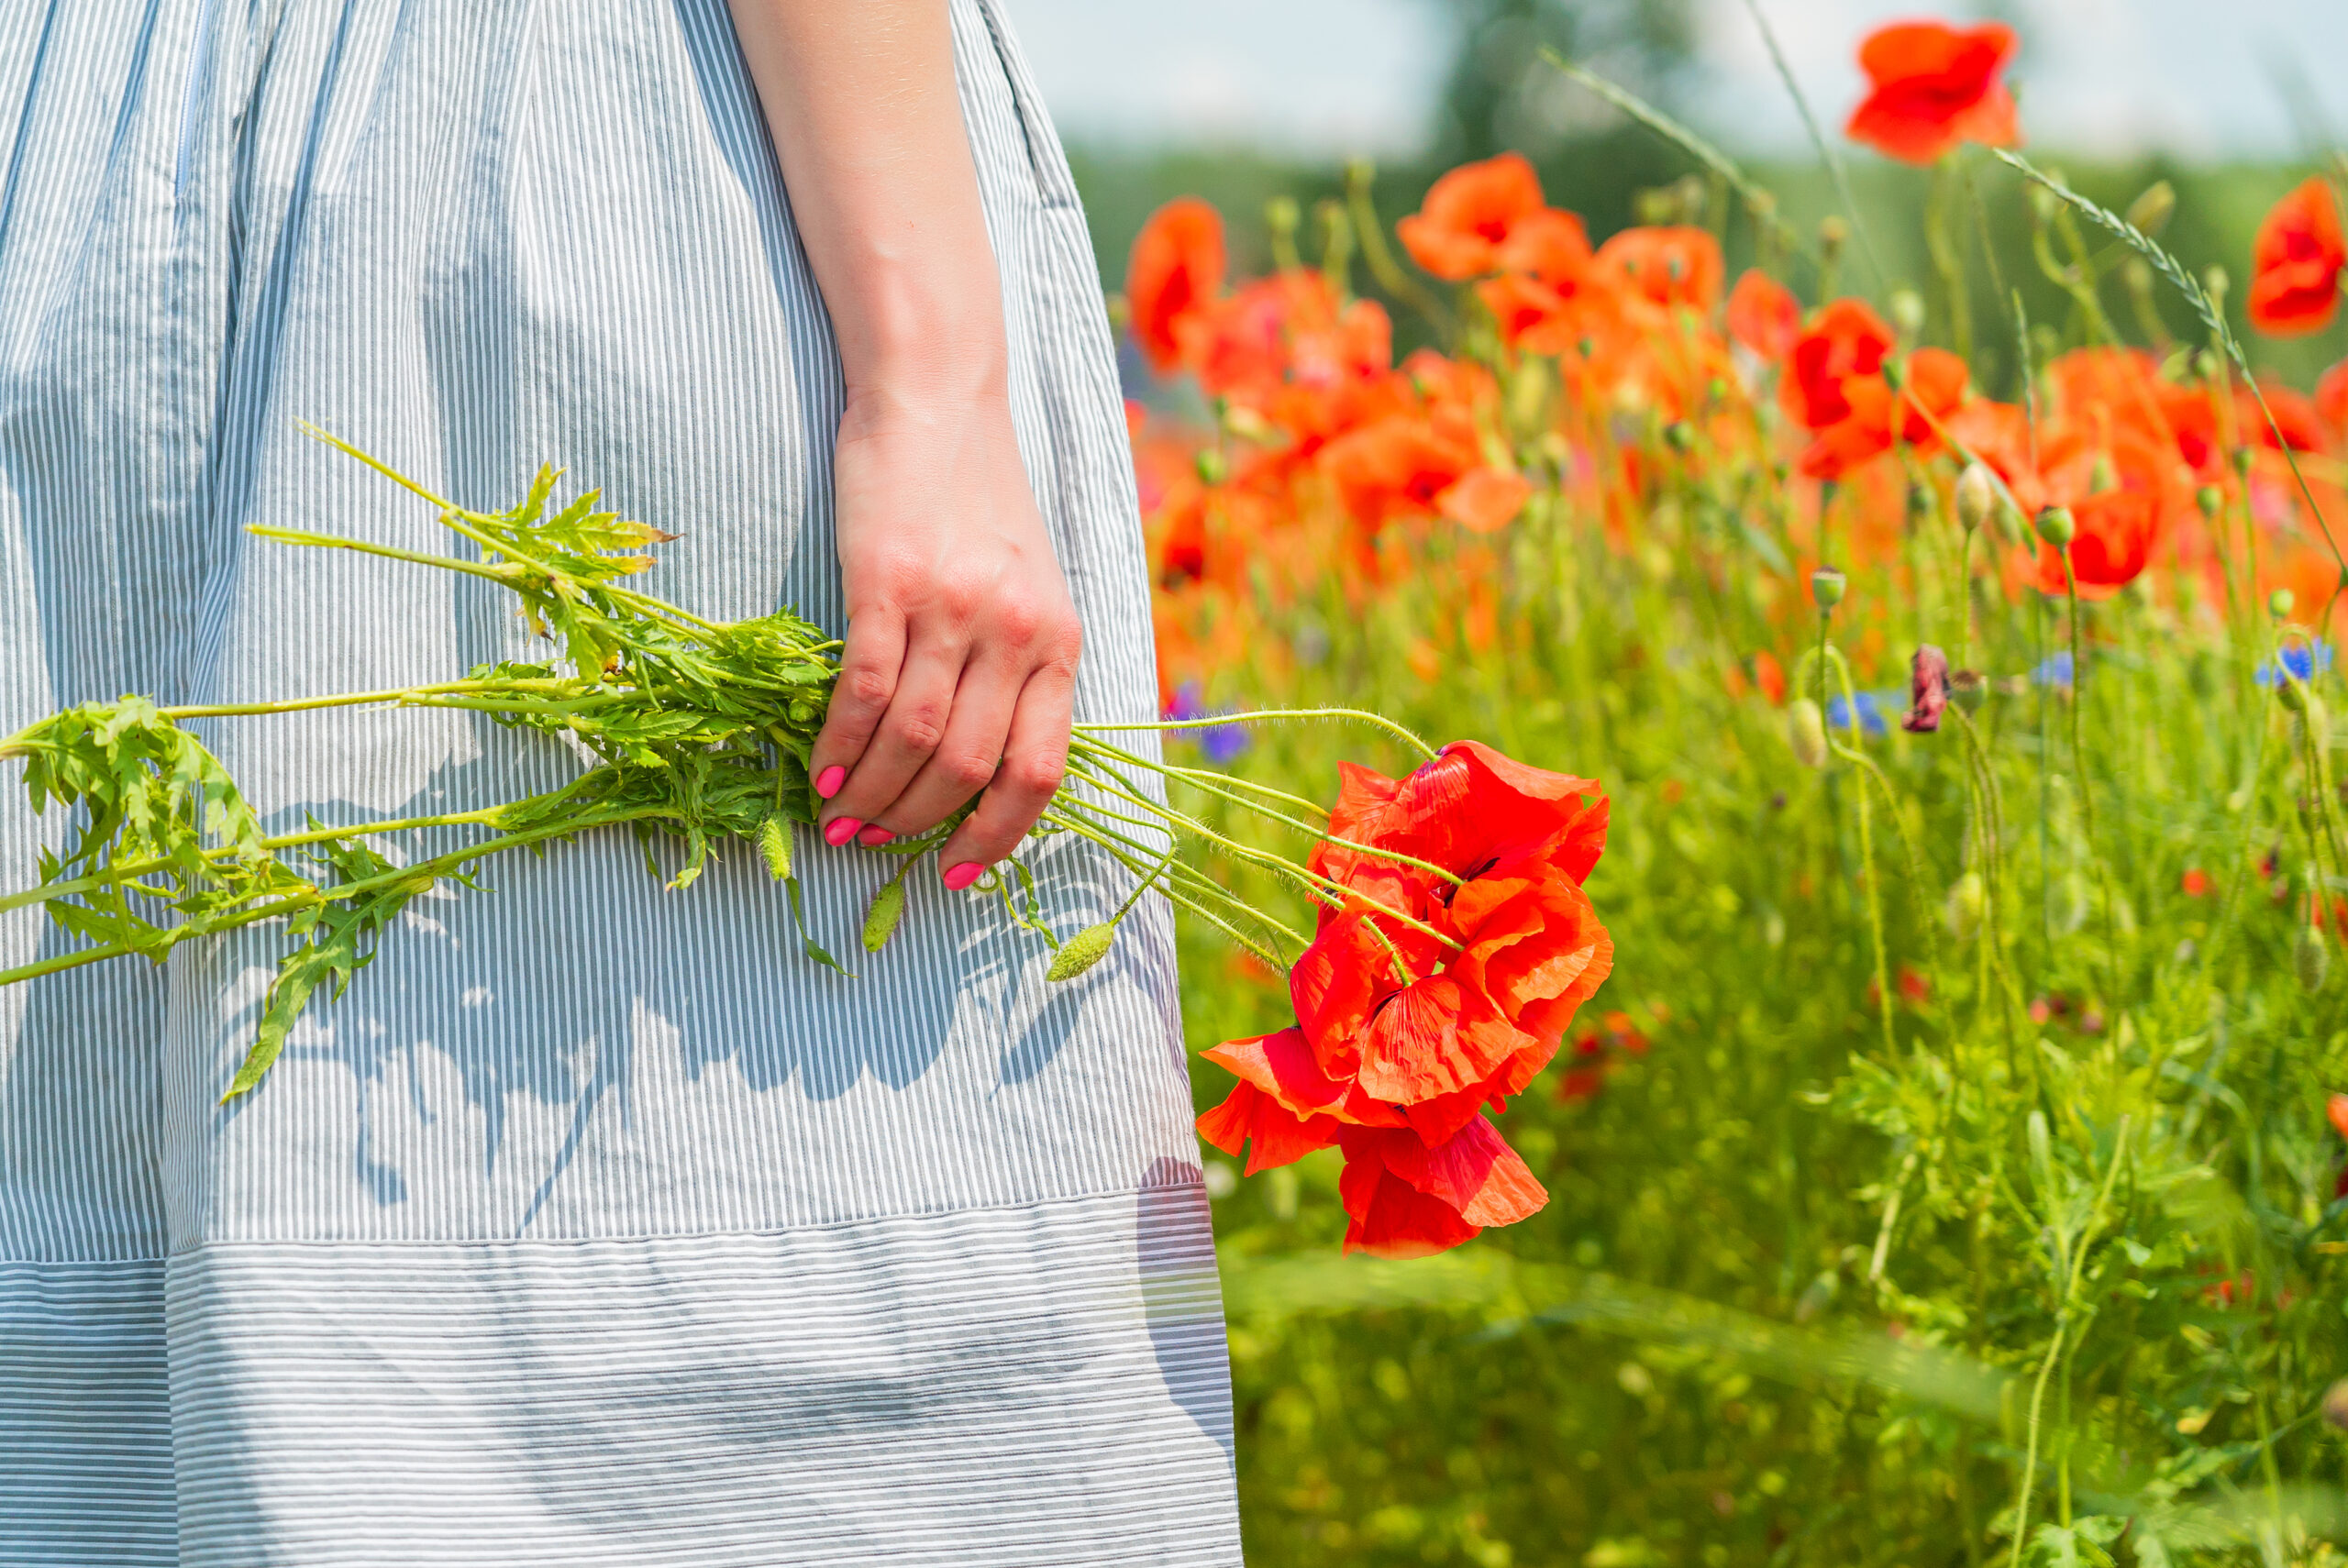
1932, 1146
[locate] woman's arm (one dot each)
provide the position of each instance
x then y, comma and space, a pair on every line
962, 641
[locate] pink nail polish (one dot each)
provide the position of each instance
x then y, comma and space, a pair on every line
960, 877
873, 835
839, 830
828, 782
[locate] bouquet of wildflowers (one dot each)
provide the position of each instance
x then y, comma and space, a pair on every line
1454, 940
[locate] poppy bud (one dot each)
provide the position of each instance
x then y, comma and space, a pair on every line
2290, 692
2210, 499
1827, 586
888, 907
1805, 732
2103, 475
2310, 958
1833, 235
1967, 900
1976, 495
1927, 691
2043, 203
2336, 1405
2150, 212
1211, 465
1679, 436
2279, 602
2205, 365
1082, 951
2057, 526
1968, 689
2240, 456
2214, 283
1908, 311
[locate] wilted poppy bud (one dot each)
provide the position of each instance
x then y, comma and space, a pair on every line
2336, 1405
1976, 494
1827, 586
1927, 691
2279, 602
2057, 526
1967, 900
2210, 500
1967, 688
1908, 311
2150, 212
1805, 732
2311, 958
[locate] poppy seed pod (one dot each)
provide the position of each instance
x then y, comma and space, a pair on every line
1805, 732
1977, 495
1827, 586
2310, 958
1968, 689
2057, 526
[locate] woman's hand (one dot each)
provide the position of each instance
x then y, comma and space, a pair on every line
959, 673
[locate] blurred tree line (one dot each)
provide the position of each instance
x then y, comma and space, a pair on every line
1498, 94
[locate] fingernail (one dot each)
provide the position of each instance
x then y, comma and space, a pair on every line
828, 782
874, 833
960, 877
839, 830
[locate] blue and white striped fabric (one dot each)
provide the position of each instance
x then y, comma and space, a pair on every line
594, 1225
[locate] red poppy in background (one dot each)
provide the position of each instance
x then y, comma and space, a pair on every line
1936, 386
2117, 530
1671, 266
1933, 86
1764, 316
1175, 268
2296, 263
2332, 396
1550, 245
1847, 340
1459, 227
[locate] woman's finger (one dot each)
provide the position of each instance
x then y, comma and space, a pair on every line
904, 739
966, 759
870, 666
1034, 757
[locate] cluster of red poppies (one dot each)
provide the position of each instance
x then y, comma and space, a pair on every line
1453, 949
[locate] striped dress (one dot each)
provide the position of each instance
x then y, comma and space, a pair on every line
594, 1225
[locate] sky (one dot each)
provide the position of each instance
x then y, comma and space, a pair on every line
1329, 77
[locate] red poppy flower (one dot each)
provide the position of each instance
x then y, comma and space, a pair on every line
1444, 984
2337, 1109
1468, 215
1936, 386
2296, 263
2332, 396
1671, 266
2196, 883
1933, 86
1764, 316
1846, 339
1548, 244
1420, 464
1406, 1199
1175, 268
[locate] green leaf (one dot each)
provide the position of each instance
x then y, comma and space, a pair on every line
807, 942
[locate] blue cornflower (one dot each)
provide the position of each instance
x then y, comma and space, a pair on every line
2304, 661
1221, 743
2055, 670
1877, 710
